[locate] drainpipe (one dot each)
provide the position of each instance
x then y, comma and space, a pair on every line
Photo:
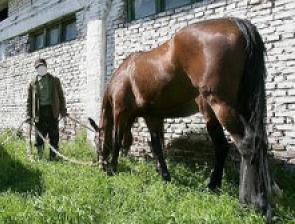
96, 58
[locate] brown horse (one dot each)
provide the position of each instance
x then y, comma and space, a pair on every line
216, 67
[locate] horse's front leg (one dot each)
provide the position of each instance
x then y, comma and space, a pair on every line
121, 130
117, 144
103, 137
155, 126
103, 148
104, 145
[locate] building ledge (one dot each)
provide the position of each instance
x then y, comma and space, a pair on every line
34, 17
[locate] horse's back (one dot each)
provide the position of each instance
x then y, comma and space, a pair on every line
168, 79
212, 54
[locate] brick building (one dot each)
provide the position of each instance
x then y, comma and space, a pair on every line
85, 40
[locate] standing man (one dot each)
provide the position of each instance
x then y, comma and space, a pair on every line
45, 103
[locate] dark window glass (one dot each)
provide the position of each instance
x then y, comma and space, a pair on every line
53, 36
39, 41
170, 4
144, 8
3, 14
70, 31
141, 8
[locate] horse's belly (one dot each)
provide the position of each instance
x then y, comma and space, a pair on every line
175, 99
180, 110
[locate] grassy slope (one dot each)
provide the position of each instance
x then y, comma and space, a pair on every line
58, 192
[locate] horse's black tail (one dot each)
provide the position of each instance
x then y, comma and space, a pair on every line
252, 95
252, 98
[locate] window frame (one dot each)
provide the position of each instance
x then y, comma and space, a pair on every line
160, 7
61, 24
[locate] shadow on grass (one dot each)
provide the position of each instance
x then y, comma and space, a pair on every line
191, 159
14, 176
285, 178
196, 153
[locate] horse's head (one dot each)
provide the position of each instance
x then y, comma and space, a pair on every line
255, 179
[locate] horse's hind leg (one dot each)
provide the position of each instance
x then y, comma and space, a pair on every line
254, 176
231, 119
155, 126
218, 138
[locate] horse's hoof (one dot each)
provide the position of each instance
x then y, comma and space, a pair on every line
269, 217
103, 166
213, 187
267, 212
111, 172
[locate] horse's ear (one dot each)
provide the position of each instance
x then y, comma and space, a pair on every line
93, 124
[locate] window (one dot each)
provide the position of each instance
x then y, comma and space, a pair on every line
52, 34
170, 4
3, 10
39, 41
70, 31
144, 8
141, 8
3, 14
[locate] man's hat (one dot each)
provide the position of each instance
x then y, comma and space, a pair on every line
40, 62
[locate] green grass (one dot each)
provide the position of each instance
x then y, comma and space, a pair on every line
59, 192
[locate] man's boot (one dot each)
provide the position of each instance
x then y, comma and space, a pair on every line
40, 151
